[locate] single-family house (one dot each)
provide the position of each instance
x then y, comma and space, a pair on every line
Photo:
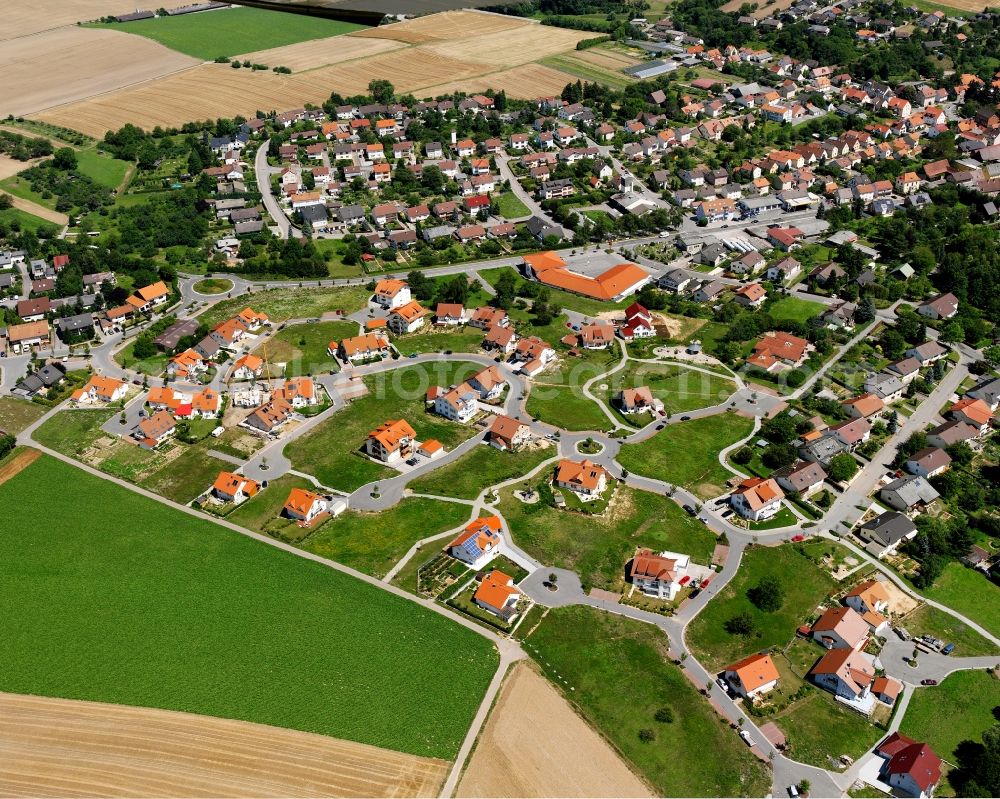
498, 595
757, 498
305, 506
584, 478
908, 494
236, 488
846, 673
508, 434
929, 462
802, 477
883, 534
391, 441
658, 575
479, 542
391, 293
407, 318
911, 768
460, 403
753, 676
840, 628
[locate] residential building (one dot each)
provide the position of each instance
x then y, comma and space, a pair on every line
846, 673
360, 349
840, 628
305, 506
584, 478
247, 367
637, 400
752, 295
391, 293
929, 462
498, 595
100, 389
883, 534
507, 433
489, 383
802, 477
943, 306
391, 441
757, 499
870, 600
778, 350
459, 404
658, 575
908, 494
973, 412
753, 676
270, 417
450, 314
156, 429
864, 406
911, 768
407, 318
231, 487
479, 542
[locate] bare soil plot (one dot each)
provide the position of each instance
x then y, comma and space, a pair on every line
10, 166
69, 64
62, 747
534, 744
321, 52
18, 463
445, 26
22, 19
525, 81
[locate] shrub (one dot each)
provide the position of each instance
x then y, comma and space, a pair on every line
646, 735
665, 715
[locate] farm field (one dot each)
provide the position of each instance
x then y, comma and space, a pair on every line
84, 633
805, 583
455, 50
534, 744
283, 304
598, 547
620, 679
23, 19
686, 453
574, 66
329, 451
25, 220
374, 542
79, 748
230, 31
16, 414
966, 699
485, 466
70, 64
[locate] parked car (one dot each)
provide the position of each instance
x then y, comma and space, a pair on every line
664, 234
689, 510
685, 418
902, 633
928, 681
797, 538
793, 792
660, 426
722, 684
948, 649
747, 739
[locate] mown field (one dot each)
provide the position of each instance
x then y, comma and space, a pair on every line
485, 466
149, 606
619, 679
232, 31
283, 304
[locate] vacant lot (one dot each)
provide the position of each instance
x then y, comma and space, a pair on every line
687, 453
678, 388
795, 309
598, 547
330, 451
620, 679
557, 393
534, 744
819, 730
303, 348
207, 621
16, 414
233, 30
928, 620
970, 593
805, 586
61, 747
70, 64
485, 466
289, 303
965, 700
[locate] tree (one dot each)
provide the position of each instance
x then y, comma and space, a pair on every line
64, 159
740, 624
767, 595
143, 347
842, 467
647, 735
743, 456
953, 332
664, 715
865, 312
382, 91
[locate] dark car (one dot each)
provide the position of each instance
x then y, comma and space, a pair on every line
685, 418
689, 510
660, 426
948, 649
928, 682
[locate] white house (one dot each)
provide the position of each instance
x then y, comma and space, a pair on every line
659, 575
459, 404
757, 499
753, 676
391, 293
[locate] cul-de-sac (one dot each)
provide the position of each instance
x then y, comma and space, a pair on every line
560, 398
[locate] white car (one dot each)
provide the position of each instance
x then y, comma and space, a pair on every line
664, 234
747, 739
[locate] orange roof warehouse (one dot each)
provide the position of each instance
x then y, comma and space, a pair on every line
598, 275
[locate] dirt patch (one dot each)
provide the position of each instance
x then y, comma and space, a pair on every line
29, 207
18, 463
70, 64
900, 603
11, 166
673, 328
534, 744
61, 747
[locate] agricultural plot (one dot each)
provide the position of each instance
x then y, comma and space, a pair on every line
278, 640
526, 80
445, 26
70, 64
233, 30
321, 52
24, 19
76, 748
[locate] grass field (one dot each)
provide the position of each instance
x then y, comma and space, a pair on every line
17, 414
186, 476
22, 220
970, 593
679, 389
573, 65
794, 309
232, 31
618, 681
686, 453
329, 450
485, 466
125, 357
928, 620
455, 339
302, 348
598, 547
148, 606
69, 432
213, 285
965, 699
101, 167
805, 585
290, 303
818, 729
557, 393
374, 542
511, 207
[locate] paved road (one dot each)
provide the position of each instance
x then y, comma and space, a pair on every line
264, 172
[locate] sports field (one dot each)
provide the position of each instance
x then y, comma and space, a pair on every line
230, 31
109, 596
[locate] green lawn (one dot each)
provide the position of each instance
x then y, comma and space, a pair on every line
557, 393
213, 286
598, 547
970, 593
303, 348
125, 357
290, 303
101, 167
511, 207
16, 414
151, 607
15, 218
805, 585
818, 729
187, 476
232, 31
928, 620
257, 512
485, 466
687, 453
795, 309
333, 251
959, 709
436, 339
70, 432
678, 388
618, 680
374, 542
329, 451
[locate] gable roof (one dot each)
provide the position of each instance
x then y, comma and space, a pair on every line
754, 671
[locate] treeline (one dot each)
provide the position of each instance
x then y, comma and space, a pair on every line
266, 255
23, 148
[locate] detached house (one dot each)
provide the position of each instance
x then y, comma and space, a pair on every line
391, 293
802, 477
929, 462
757, 499
156, 429
305, 506
498, 595
637, 400
489, 383
230, 487
869, 600
658, 575
359, 349
943, 306
392, 441
407, 318
479, 542
753, 676
584, 478
845, 673
885, 532
911, 768
100, 389
840, 628
508, 434
459, 404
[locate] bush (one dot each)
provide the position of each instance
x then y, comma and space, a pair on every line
646, 735
664, 715
767, 595
743, 456
741, 624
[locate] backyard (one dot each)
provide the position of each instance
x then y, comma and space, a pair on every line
620, 679
149, 606
686, 453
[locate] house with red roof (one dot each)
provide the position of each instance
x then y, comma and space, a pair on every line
479, 542
848, 674
660, 575
584, 478
638, 323
911, 768
841, 628
757, 499
498, 595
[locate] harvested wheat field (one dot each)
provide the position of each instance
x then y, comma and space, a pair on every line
62, 747
510, 47
69, 64
321, 52
22, 18
11, 166
409, 69
606, 58
534, 744
445, 26
528, 80
18, 463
